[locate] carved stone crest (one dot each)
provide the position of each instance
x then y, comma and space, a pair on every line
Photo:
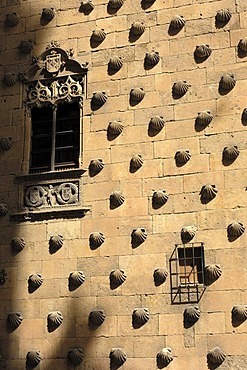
53, 62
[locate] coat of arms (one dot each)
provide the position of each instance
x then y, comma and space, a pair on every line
53, 62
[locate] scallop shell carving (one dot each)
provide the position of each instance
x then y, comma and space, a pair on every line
3, 209
216, 356
242, 45
115, 63
231, 152
5, 143
115, 128
137, 94
10, 79
115, 4
208, 192
244, 116
180, 88
117, 357
177, 22
212, 273
76, 278
235, 229
152, 58
203, 51
48, 14
188, 233
55, 319
164, 357
156, 123
117, 277
87, 5
96, 239
223, 15
116, 198
182, 156
99, 98
33, 358
239, 313
14, 319
18, 244
12, 19
140, 316
160, 276
192, 314
26, 46
35, 280
137, 28
56, 242
159, 198
75, 356
138, 236
96, 165
98, 35
96, 318
227, 82
204, 118
136, 162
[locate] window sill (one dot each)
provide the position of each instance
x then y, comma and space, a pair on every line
52, 175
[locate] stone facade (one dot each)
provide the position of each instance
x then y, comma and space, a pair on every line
94, 274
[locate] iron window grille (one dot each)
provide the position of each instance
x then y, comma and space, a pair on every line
187, 273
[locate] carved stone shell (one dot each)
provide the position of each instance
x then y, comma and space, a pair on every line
182, 156
76, 278
98, 35
115, 128
239, 312
180, 88
188, 233
56, 242
48, 14
87, 5
204, 118
5, 143
136, 162
35, 280
55, 318
117, 357
244, 116
3, 209
208, 192
116, 198
159, 198
18, 244
14, 319
212, 273
137, 28
117, 277
10, 79
192, 314
26, 46
33, 358
137, 94
160, 276
99, 98
164, 357
242, 45
75, 356
138, 236
216, 356
96, 317
152, 58
3, 276
223, 15
140, 316
177, 22
115, 63
96, 239
96, 165
231, 152
115, 4
156, 123
235, 229
12, 19
203, 51
227, 82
